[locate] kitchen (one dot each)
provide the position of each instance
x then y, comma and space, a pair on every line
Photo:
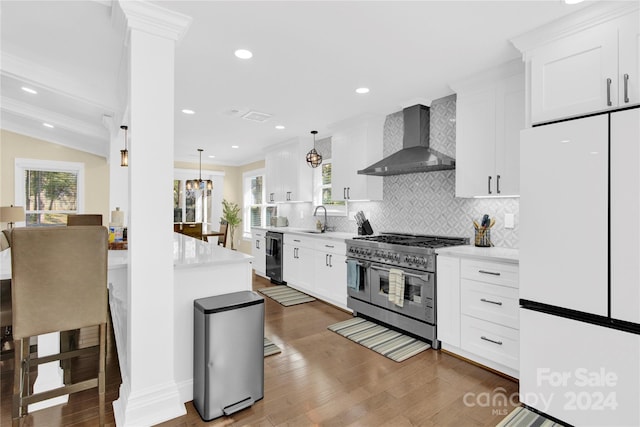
418, 203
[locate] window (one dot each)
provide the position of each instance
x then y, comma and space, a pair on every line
322, 193
256, 213
48, 190
197, 205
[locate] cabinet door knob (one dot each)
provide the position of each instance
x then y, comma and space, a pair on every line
626, 88
609, 93
489, 185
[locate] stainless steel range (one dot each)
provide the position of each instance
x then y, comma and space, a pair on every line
413, 257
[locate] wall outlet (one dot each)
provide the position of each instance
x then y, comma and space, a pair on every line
509, 220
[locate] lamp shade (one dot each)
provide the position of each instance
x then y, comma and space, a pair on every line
11, 214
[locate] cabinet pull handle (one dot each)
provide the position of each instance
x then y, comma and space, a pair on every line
609, 93
626, 88
257, 244
348, 192
296, 240
493, 273
295, 252
491, 302
344, 193
326, 260
328, 246
490, 340
489, 185
330, 259
498, 184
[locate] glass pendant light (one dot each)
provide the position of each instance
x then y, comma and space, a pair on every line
124, 154
314, 159
200, 184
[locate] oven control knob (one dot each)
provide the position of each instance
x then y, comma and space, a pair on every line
368, 252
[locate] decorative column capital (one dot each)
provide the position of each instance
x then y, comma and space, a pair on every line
150, 18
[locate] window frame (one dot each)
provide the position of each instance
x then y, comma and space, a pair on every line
247, 205
23, 164
341, 209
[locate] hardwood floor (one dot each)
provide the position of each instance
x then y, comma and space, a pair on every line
321, 378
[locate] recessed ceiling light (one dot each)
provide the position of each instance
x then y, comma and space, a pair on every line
235, 146
279, 127
362, 90
186, 111
48, 125
573, 1
29, 90
243, 53
212, 157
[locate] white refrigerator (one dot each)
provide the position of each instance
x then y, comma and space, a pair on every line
580, 269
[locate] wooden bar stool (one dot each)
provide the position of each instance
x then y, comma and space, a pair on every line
59, 283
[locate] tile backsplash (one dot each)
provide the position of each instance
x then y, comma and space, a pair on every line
421, 203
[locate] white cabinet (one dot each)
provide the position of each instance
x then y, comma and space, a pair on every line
448, 291
354, 147
590, 65
298, 262
478, 311
490, 114
258, 251
288, 178
331, 271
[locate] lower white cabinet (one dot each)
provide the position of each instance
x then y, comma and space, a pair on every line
258, 251
298, 261
331, 271
478, 311
316, 266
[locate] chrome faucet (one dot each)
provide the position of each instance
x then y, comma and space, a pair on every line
324, 226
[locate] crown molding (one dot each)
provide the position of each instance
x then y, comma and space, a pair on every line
150, 18
58, 120
576, 22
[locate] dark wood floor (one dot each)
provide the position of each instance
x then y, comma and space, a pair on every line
321, 378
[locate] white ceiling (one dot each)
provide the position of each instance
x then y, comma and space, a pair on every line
309, 57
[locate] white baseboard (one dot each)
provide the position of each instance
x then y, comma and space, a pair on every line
149, 407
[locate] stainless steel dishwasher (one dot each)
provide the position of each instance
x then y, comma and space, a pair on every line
274, 257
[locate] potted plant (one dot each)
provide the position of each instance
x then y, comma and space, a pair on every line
231, 214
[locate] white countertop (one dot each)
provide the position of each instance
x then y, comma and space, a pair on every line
490, 254
187, 252
331, 235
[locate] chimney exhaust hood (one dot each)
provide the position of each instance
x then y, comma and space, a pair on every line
415, 155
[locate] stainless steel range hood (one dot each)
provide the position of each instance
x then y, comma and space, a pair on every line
415, 155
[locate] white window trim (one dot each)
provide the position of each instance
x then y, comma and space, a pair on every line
22, 164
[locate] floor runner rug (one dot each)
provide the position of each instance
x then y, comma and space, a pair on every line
389, 343
270, 348
286, 295
523, 417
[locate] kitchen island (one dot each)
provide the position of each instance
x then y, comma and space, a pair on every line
201, 269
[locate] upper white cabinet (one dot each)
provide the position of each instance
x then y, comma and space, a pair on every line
288, 178
490, 113
585, 63
354, 146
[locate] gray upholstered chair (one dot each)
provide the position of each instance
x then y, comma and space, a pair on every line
59, 283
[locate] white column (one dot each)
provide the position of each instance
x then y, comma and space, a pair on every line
149, 394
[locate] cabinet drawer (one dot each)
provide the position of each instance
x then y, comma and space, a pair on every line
497, 304
299, 241
331, 246
494, 342
490, 272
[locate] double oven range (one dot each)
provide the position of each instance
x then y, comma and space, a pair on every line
415, 256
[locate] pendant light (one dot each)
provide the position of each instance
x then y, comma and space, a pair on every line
314, 159
124, 154
200, 184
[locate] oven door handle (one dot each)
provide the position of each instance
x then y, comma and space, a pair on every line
424, 277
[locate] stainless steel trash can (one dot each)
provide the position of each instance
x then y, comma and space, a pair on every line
228, 356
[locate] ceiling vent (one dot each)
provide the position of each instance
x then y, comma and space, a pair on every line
256, 116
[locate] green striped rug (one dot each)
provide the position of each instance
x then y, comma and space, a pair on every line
286, 295
523, 417
389, 343
270, 348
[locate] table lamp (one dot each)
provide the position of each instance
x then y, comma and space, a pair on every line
11, 214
